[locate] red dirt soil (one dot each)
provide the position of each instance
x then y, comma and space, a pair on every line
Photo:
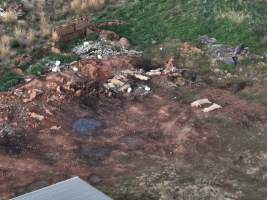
146, 130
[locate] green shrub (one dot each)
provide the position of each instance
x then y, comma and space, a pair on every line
8, 81
35, 69
63, 58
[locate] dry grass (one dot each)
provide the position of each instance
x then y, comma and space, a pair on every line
44, 26
234, 16
5, 46
83, 5
28, 4
9, 17
23, 36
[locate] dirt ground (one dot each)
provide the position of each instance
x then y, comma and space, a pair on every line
222, 153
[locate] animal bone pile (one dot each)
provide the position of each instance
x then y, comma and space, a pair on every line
100, 50
130, 81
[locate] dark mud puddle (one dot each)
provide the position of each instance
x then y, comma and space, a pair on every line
87, 126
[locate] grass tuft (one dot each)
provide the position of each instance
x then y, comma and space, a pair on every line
9, 17
83, 5
5, 46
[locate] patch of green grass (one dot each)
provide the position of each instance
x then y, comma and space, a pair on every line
161, 20
64, 58
228, 67
35, 69
8, 81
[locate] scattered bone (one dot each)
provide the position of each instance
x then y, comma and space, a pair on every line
213, 107
155, 72
116, 82
141, 77
56, 67
200, 102
129, 90
75, 69
125, 88
37, 116
55, 128
147, 88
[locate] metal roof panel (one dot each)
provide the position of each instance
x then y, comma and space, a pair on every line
71, 189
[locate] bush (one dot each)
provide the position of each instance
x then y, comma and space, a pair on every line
8, 81
5, 46
9, 17
45, 28
23, 36
35, 69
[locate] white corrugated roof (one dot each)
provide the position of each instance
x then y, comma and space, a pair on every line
71, 189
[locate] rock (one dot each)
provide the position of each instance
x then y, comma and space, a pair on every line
99, 48
93, 179
18, 72
206, 40
33, 94
55, 50
124, 43
6, 130
108, 35
78, 93
239, 49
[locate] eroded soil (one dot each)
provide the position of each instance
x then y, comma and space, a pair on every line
121, 137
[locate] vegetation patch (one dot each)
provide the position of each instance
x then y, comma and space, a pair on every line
231, 22
64, 58
9, 80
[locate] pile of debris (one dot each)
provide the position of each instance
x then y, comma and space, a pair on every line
224, 53
101, 49
136, 81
